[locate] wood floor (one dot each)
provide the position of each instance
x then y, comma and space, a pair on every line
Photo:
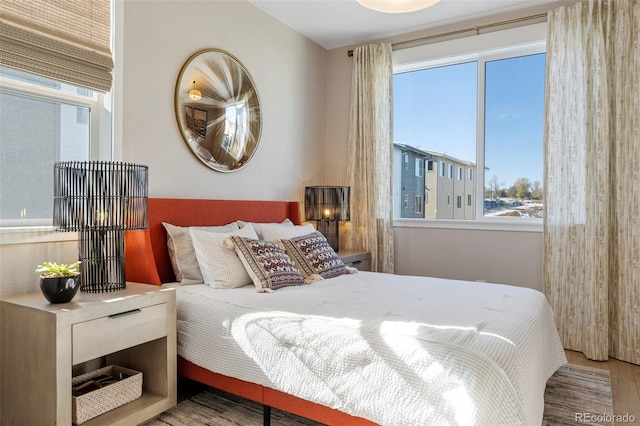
625, 383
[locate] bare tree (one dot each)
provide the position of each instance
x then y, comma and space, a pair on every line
536, 190
494, 186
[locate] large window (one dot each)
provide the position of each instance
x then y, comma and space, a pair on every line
41, 122
480, 112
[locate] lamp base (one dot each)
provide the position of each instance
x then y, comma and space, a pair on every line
102, 255
329, 228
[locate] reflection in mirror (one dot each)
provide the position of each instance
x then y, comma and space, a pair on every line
218, 110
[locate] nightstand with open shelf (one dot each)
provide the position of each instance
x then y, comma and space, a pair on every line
42, 344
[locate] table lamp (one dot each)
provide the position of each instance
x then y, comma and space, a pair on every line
101, 200
327, 205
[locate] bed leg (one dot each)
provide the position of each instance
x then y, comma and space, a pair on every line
266, 415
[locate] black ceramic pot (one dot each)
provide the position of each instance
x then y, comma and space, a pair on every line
60, 290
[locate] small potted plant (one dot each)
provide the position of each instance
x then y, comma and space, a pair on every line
59, 282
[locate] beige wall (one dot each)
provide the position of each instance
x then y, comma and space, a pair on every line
155, 38
305, 96
503, 257
289, 72
510, 258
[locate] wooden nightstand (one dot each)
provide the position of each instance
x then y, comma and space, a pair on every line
43, 343
356, 259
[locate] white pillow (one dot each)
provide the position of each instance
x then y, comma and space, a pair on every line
275, 232
257, 226
181, 252
220, 266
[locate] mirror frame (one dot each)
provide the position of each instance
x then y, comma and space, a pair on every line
226, 88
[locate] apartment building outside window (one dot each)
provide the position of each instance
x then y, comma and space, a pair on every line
480, 114
410, 182
43, 121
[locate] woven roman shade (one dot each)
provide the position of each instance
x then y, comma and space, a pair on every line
65, 40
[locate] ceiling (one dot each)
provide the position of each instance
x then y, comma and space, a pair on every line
338, 23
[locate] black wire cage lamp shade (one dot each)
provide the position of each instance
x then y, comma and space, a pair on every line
101, 200
327, 205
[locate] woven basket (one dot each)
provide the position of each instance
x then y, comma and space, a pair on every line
90, 405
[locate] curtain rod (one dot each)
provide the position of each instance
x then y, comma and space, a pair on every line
477, 29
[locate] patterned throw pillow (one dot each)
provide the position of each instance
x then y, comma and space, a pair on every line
267, 264
313, 255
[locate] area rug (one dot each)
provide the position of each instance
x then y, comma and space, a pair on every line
578, 395
574, 395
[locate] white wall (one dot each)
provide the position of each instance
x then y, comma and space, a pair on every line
156, 37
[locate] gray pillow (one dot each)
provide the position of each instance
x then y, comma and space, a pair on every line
181, 251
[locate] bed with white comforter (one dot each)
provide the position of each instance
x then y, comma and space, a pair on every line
397, 350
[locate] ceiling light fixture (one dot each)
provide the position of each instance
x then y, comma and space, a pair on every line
195, 93
397, 6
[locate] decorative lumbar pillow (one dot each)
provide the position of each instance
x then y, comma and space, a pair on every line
313, 255
275, 232
181, 252
220, 266
267, 264
257, 226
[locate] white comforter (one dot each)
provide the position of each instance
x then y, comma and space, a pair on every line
397, 350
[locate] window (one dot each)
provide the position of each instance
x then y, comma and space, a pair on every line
481, 110
405, 160
43, 121
430, 165
419, 167
406, 201
418, 204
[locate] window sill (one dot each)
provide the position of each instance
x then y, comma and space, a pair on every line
34, 235
515, 225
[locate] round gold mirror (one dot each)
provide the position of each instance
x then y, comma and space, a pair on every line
218, 110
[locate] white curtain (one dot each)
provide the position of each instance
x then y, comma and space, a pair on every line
370, 155
592, 177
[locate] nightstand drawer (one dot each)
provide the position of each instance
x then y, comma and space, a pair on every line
95, 338
361, 265
357, 259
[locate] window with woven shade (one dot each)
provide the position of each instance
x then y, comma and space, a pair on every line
55, 82
67, 41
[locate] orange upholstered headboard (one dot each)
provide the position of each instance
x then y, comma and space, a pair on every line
146, 254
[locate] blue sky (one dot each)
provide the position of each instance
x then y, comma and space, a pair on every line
435, 110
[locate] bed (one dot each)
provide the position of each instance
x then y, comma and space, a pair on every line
359, 348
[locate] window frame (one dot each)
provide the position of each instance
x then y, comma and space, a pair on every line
418, 204
419, 167
42, 93
100, 147
509, 43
